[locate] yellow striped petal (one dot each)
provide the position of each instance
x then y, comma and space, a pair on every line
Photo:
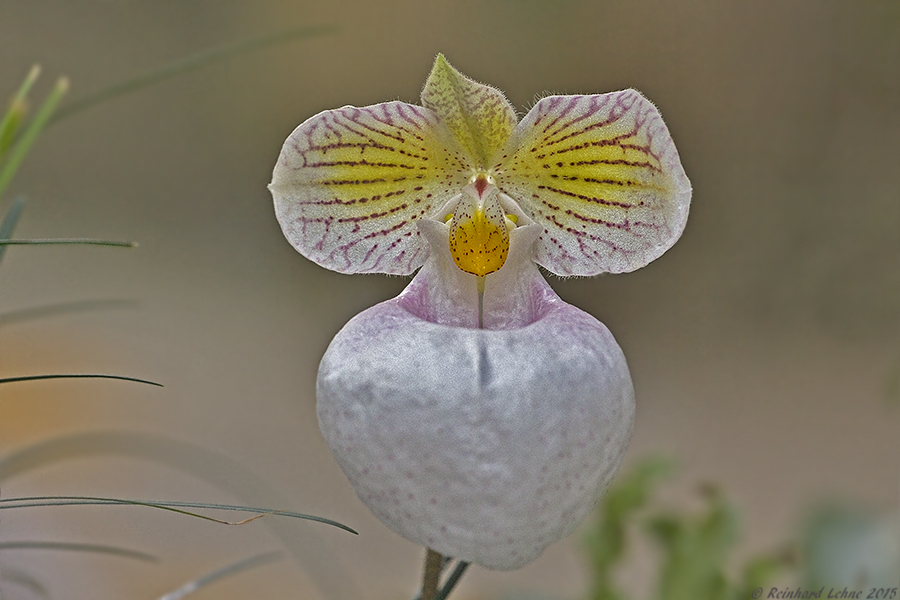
479, 116
350, 184
602, 176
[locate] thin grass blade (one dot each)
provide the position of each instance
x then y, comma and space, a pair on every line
22, 579
76, 376
232, 569
16, 111
310, 550
10, 220
171, 506
76, 547
12, 317
187, 64
67, 241
23, 143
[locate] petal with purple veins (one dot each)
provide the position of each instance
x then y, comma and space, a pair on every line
350, 184
602, 176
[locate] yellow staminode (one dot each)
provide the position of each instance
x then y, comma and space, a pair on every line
479, 235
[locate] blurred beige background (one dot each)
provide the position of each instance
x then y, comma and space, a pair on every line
761, 345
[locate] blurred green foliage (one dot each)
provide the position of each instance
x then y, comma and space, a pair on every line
17, 134
694, 548
606, 542
845, 545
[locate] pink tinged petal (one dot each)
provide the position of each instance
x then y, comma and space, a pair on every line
486, 445
478, 116
442, 293
517, 295
351, 183
602, 176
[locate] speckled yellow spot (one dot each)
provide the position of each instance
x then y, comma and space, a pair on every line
479, 235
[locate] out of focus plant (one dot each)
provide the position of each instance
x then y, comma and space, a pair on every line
695, 548
845, 545
17, 134
19, 130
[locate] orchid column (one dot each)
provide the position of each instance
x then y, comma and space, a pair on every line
477, 414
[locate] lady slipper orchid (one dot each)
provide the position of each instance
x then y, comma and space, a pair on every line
477, 413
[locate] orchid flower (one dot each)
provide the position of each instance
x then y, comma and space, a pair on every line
478, 414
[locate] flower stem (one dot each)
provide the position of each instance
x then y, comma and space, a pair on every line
431, 574
452, 580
